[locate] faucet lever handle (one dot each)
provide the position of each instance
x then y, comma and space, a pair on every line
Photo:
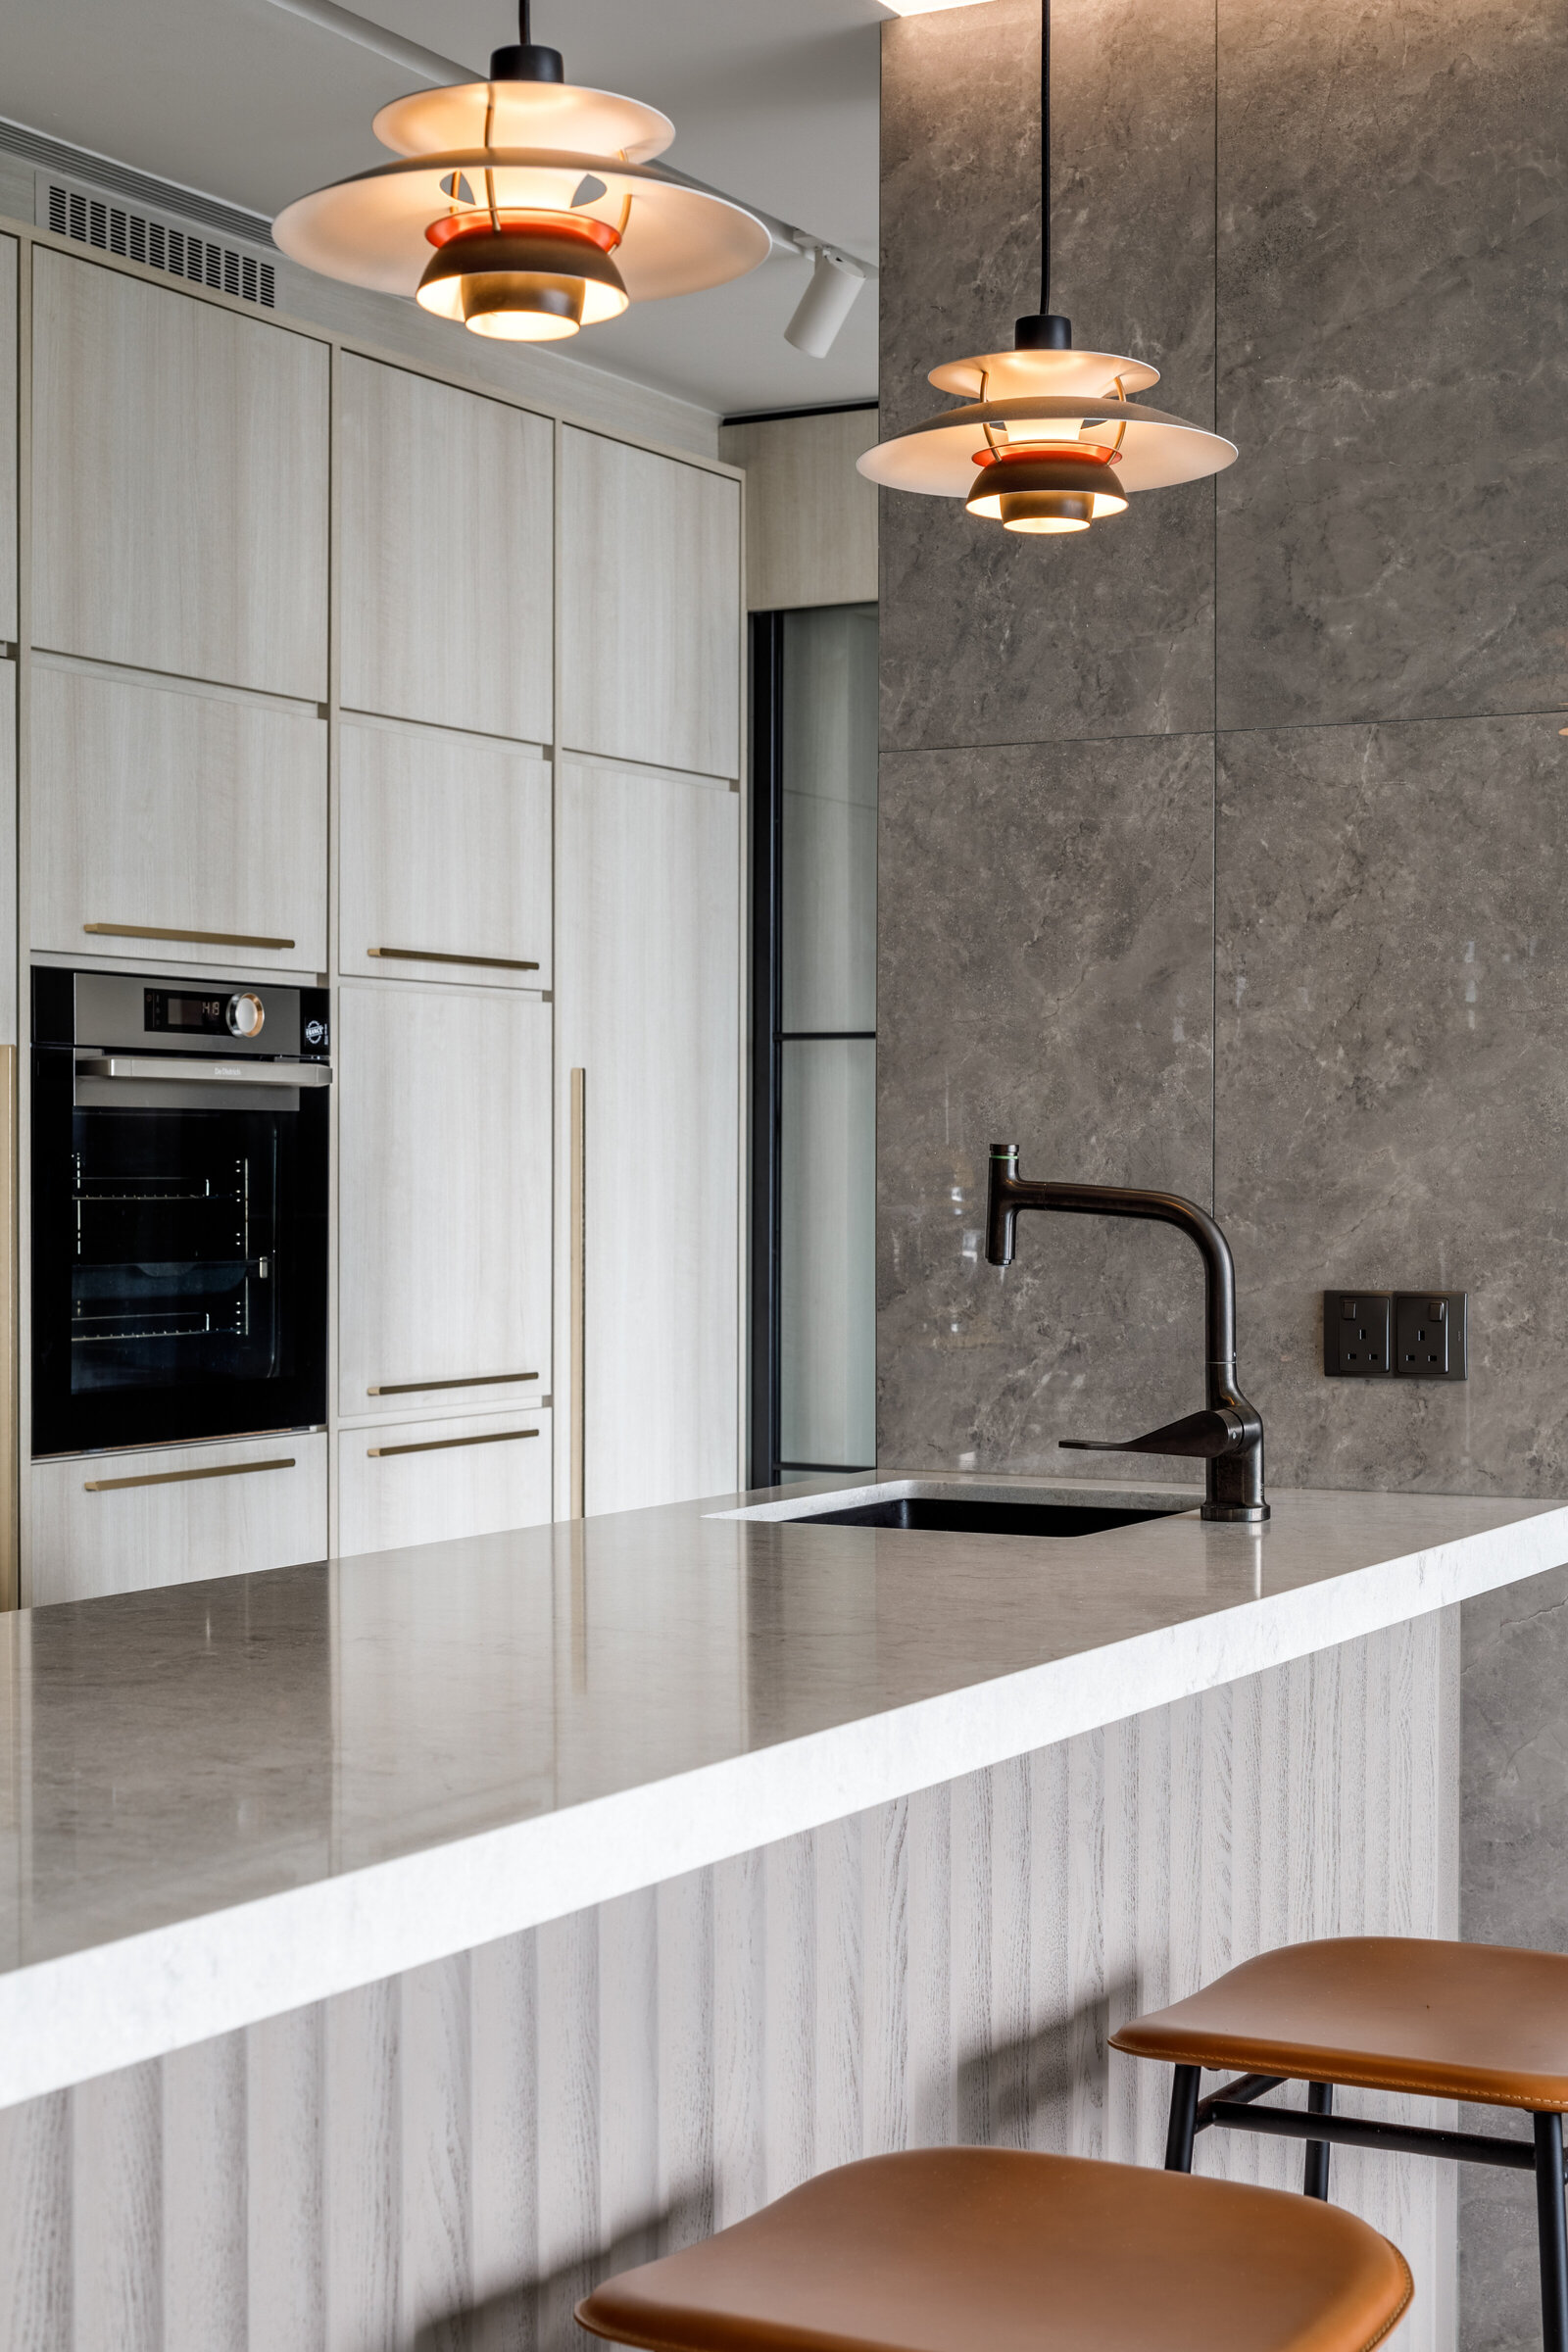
1205, 1437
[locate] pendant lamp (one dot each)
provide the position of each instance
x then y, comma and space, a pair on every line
1049, 440
521, 206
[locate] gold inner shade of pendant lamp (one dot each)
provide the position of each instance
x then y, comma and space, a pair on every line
1045, 486
530, 277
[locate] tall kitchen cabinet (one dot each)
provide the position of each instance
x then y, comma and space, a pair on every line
177, 800
10, 255
647, 868
444, 946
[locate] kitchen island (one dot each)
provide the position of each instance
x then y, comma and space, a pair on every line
392, 1946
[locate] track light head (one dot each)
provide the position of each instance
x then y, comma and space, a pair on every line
827, 302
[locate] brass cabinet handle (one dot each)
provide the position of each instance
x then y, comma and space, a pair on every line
175, 1478
475, 1380
496, 1437
492, 963
199, 939
579, 1311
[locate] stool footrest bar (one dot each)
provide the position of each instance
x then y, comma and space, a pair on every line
1355, 2132
1244, 2087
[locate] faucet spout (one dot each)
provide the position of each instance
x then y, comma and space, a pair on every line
1234, 1476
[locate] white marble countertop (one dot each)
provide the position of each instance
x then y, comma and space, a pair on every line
227, 1798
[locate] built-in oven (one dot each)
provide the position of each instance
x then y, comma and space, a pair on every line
179, 1208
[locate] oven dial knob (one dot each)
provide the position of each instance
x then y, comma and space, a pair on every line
245, 1014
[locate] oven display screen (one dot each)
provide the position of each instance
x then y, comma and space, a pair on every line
164, 1010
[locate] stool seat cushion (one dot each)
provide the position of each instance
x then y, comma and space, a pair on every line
955, 2249
1462, 2021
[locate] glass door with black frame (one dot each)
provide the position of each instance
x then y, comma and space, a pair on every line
814, 678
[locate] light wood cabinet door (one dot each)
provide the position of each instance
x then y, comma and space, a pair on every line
448, 558
445, 857
122, 1522
8, 438
445, 1183
8, 863
179, 483
428, 1482
648, 993
164, 810
651, 607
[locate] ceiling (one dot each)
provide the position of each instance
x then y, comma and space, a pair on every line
774, 101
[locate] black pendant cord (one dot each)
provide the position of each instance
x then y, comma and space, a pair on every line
1044, 331
1044, 154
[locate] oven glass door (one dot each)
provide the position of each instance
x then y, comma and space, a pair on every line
180, 1266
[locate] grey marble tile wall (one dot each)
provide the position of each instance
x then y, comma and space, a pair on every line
1045, 976
1392, 1084
1392, 351
1288, 743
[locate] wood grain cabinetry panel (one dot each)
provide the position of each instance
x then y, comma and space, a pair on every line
444, 1161
651, 607
448, 501
178, 810
425, 1482
647, 999
89, 1539
179, 483
8, 853
445, 849
8, 438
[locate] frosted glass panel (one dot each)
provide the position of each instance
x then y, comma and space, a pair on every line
827, 1354
829, 819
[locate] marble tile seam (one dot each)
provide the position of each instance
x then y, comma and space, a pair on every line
119, 2002
1284, 726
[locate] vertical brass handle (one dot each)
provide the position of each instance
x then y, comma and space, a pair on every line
580, 1314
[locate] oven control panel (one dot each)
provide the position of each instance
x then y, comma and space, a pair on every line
243, 1014
110, 1009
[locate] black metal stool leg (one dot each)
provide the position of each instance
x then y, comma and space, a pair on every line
1315, 2178
1553, 2232
1183, 2121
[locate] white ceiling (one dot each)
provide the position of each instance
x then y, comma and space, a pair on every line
774, 101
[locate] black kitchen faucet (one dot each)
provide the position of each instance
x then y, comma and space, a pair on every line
1228, 1433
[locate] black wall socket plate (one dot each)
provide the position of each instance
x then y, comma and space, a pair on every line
1432, 1335
1397, 1334
1358, 1335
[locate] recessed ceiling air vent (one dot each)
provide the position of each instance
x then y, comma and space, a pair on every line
89, 217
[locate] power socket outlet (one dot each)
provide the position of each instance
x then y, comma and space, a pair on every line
1357, 1335
1432, 1335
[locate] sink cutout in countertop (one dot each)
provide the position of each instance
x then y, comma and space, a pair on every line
960, 1515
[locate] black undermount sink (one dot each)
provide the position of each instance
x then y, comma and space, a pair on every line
957, 1516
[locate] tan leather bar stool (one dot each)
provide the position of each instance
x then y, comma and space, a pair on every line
1478, 2022
946, 2249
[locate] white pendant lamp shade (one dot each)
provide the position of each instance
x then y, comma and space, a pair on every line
1050, 440
1076, 413
521, 206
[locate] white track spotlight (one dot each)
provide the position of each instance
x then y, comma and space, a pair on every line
826, 303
